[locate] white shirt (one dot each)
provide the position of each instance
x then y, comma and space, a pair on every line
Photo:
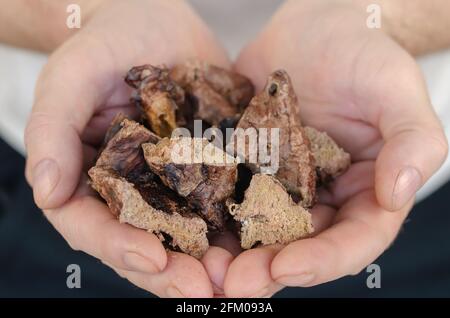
19, 70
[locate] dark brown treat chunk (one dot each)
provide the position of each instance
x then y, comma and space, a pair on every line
197, 170
268, 215
122, 152
137, 196
187, 231
158, 96
217, 94
331, 160
277, 107
114, 127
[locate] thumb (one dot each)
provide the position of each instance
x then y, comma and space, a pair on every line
65, 99
415, 144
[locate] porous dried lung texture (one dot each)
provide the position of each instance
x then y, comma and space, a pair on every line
158, 96
331, 160
277, 107
216, 94
197, 170
187, 232
137, 196
268, 214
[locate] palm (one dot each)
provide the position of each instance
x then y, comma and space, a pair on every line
342, 89
79, 92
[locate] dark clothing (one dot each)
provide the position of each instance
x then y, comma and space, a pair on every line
34, 257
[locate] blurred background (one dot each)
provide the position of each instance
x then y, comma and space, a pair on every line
34, 257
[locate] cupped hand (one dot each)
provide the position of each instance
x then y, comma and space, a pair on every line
368, 93
78, 92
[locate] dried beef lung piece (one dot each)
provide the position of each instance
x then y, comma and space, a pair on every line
216, 94
268, 215
137, 196
122, 152
205, 183
187, 231
158, 96
277, 107
331, 160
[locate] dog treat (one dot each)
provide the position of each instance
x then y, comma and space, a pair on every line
206, 184
216, 94
277, 107
331, 160
122, 151
137, 196
268, 215
181, 188
158, 214
158, 96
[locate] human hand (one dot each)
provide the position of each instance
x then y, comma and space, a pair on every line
368, 93
78, 93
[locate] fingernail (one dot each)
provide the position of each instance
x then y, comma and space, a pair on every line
138, 263
45, 178
301, 280
173, 292
407, 184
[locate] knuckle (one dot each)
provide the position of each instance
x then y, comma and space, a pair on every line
37, 125
68, 230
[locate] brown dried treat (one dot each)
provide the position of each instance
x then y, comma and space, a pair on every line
197, 170
331, 160
123, 152
268, 215
217, 94
114, 127
137, 196
277, 107
187, 231
158, 96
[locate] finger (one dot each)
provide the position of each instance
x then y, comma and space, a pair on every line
415, 144
95, 130
66, 96
322, 217
89, 155
359, 177
184, 276
88, 225
363, 230
216, 262
249, 273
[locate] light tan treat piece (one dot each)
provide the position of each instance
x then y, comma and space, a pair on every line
188, 232
197, 170
331, 160
218, 93
158, 96
277, 107
268, 215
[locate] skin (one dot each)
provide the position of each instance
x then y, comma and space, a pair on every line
78, 92
351, 81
